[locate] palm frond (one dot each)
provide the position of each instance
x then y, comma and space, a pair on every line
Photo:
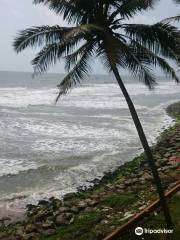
37, 36
128, 8
122, 55
138, 65
51, 53
161, 38
174, 18
79, 72
71, 59
136, 47
72, 10
150, 58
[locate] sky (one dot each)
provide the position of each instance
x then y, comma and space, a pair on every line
16, 15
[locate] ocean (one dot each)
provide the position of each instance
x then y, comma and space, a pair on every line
50, 149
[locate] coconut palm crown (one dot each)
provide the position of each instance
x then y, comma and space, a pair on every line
100, 28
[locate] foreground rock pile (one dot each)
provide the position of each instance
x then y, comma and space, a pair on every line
115, 199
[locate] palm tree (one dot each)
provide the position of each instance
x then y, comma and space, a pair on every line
99, 29
174, 18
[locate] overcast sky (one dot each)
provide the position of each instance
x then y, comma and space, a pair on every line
19, 14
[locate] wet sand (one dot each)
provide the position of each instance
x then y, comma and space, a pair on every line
11, 213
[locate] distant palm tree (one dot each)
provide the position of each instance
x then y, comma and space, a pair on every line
100, 30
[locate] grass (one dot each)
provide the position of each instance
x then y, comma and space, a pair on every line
157, 222
81, 229
115, 200
87, 226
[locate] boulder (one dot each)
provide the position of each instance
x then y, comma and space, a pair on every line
61, 220
82, 205
30, 228
49, 232
30, 236
43, 202
130, 182
74, 210
48, 225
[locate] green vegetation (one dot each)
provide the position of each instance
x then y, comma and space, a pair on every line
81, 229
115, 201
90, 228
157, 222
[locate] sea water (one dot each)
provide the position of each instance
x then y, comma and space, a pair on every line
49, 149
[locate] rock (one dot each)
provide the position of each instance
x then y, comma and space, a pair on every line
69, 196
48, 225
147, 176
165, 168
109, 186
174, 166
120, 191
64, 209
95, 196
71, 220
91, 203
42, 215
31, 207
30, 228
121, 186
68, 215
88, 209
64, 219
167, 155
81, 205
104, 222
50, 218
3, 236
61, 220
68, 204
106, 209
20, 231
49, 232
56, 203
142, 180
130, 182
74, 210
43, 202
135, 188
31, 236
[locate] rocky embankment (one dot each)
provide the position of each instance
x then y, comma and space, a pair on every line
92, 214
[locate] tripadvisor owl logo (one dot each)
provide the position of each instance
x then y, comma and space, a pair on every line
139, 231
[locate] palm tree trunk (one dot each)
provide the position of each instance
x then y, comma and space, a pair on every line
147, 150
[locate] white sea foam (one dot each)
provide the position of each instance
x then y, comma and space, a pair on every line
15, 166
96, 96
23, 97
92, 119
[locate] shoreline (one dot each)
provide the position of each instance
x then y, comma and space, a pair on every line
129, 177
11, 205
